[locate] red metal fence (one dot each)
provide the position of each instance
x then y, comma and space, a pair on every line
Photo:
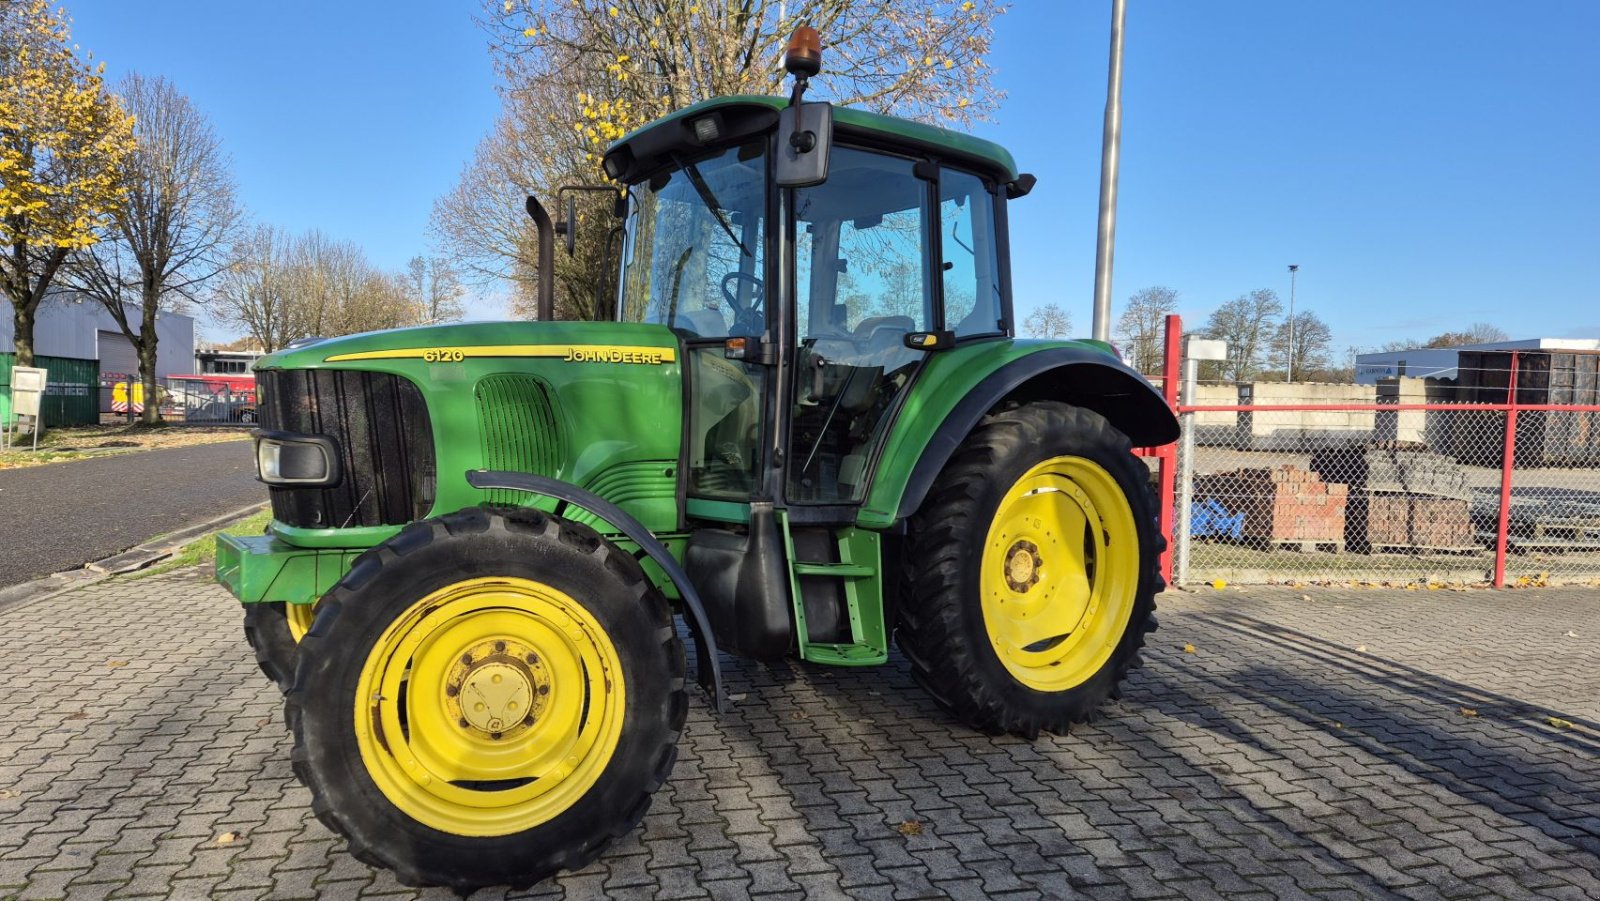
1303, 483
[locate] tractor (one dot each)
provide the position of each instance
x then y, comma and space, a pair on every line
802, 422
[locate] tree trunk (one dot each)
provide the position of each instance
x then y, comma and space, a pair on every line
147, 357
22, 319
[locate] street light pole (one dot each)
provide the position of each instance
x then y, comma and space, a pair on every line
1293, 268
1110, 158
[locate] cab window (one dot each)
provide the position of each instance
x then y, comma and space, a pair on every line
967, 244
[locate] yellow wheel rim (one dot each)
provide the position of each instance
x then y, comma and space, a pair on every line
1059, 574
490, 706
300, 617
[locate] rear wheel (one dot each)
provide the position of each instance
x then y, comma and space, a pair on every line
1032, 571
487, 698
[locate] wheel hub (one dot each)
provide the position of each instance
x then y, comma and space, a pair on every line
498, 689
1022, 566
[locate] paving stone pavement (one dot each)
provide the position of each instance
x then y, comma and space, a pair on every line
1280, 743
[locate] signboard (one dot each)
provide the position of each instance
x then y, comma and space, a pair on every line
28, 378
27, 387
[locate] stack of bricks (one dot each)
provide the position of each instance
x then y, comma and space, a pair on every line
1381, 519
1281, 504
1402, 496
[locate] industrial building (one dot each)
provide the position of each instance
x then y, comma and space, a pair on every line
84, 349
1442, 362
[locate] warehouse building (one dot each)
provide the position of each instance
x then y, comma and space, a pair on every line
1442, 362
84, 349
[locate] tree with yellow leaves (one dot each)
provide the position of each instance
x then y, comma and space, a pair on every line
579, 74
63, 139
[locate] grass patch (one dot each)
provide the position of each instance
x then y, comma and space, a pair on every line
203, 550
59, 445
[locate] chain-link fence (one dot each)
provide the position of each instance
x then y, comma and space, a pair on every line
1398, 482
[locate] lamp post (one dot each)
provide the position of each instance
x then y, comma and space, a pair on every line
1289, 375
1110, 157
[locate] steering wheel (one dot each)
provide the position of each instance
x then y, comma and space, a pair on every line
746, 320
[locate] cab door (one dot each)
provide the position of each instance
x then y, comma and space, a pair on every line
864, 262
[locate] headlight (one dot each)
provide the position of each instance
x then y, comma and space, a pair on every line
285, 458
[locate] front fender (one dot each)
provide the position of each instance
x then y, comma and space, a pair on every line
710, 668
957, 388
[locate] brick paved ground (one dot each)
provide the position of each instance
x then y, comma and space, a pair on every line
1275, 760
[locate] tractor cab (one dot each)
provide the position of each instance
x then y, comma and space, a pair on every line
808, 297
806, 311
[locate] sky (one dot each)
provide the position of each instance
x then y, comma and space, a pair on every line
1426, 164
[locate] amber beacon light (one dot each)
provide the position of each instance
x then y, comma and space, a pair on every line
803, 57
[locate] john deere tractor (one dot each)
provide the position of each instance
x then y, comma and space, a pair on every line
803, 424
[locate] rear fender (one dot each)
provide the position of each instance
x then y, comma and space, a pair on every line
933, 426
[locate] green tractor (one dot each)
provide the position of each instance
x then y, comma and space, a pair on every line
804, 425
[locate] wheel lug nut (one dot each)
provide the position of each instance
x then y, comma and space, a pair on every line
451, 690
464, 723
499, 646
544, 689
533, 658
467, 659
527, 720
495, 735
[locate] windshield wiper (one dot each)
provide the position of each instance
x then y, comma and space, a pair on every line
709, 198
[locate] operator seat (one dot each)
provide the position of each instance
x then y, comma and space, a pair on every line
877, 338
703, 323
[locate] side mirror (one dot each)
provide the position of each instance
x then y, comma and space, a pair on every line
569, 228
805, 140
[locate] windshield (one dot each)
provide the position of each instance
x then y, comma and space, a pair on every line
695, 252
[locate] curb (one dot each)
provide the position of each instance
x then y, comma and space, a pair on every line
128, 561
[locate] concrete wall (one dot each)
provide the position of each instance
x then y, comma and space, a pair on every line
1274, 428
68, 327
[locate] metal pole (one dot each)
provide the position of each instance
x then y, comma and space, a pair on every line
1191, 373
1293, 269
1110, 157
1508, 462
1167, 455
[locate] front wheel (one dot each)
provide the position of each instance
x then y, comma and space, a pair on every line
487, 698
1032, 571
274, 631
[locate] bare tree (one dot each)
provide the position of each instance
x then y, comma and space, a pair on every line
255, 290
1142, 325
1246, 323
1477, 333
1312, 338
1048, 321
172, 233
281, 288
436, 287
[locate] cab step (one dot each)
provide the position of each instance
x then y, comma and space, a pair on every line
858, 569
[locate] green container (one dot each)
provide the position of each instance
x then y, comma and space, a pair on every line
72, 391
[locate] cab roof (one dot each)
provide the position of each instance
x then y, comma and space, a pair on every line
646, 147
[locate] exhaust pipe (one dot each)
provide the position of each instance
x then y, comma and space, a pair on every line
546, 300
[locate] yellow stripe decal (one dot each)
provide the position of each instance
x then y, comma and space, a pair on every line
572, 353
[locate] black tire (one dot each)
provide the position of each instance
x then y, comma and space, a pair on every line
266, 628
423, 558
941, 626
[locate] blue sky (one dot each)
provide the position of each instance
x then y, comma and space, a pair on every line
1427, 164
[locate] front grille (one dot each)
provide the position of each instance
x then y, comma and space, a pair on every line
385, 440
